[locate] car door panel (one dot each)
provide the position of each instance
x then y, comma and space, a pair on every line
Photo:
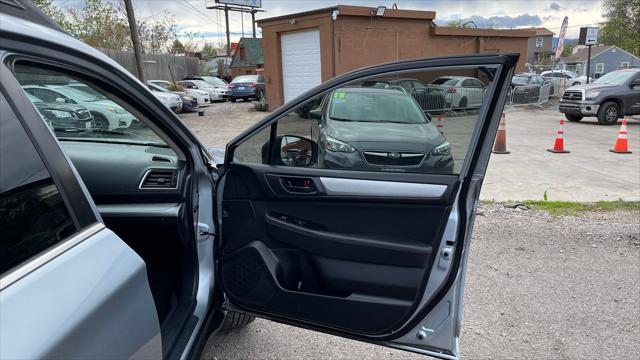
371, 255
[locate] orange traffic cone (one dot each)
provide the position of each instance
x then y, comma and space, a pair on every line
558, 146
500, 146
622, 144
440, 126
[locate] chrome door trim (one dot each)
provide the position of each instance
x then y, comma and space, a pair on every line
34, 263
376, 188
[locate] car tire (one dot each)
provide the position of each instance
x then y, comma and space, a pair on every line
235, 320
571, 117
608, 113
99, 121
232, 99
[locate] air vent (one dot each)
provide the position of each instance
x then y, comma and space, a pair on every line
160, 179
161, 159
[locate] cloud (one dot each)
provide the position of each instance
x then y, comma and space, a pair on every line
505, 21
554, 6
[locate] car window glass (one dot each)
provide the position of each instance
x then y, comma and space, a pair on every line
406, 85
33, 215
364, 127
86, 113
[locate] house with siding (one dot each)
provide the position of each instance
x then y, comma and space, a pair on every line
247, 57
603, 60
539, 47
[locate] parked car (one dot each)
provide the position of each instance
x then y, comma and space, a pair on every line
61, 116
212, 80
610, 97
462, 92
202, 97
216, 93
189, 103
106, 114
570, 77
170, 100
525, 88
143, 243
359, 117
406, 84
246, 87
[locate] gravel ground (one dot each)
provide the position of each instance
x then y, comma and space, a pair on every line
538, 287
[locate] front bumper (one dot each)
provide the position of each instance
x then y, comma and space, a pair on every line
585, 108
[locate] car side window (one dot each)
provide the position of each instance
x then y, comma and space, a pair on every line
467, 83
86, 113
361, 127
33, 215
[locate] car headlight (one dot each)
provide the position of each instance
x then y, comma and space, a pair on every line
61, 114
591, 95
116, 110
336, 145
443, 149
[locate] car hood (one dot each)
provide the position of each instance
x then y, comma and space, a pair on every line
166, 96
592, 86
59, 106
385, 135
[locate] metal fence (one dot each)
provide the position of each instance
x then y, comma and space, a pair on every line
530, 95
157, 67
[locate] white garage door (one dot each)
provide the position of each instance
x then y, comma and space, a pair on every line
300, 62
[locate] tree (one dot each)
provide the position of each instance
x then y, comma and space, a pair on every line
190, 41
157, 34
567, 50
622, 25
54, 13
177, 47
209, 50
101, 24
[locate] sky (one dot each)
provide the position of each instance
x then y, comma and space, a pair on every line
193, 16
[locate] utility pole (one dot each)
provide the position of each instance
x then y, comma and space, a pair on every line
226, 22
253, 21
588, 61
135, 40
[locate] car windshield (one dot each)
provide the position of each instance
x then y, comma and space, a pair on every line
520, 79
245, 79
571, 74
444, 81
615, 77
201, 84
160, 85
383, 106
214, 81
77, 95
87, 90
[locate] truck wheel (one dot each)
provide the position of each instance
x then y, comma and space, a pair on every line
573, 117
235, 320
608, 113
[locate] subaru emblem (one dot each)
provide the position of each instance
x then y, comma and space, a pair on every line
394, 155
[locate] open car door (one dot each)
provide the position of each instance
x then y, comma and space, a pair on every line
349, 210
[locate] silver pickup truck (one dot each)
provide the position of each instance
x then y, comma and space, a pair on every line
612, 96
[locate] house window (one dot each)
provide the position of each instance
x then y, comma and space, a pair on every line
624, 64
599, 68
539, 41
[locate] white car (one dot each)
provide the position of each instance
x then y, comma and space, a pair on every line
571, 77
201, 96
461, 92
216, 92
170, 100
106, 113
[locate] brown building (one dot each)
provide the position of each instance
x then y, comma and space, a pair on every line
305, 49
247, 57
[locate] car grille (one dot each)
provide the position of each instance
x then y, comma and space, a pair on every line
572, 95
393, 158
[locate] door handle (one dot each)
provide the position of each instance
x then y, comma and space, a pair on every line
298, 185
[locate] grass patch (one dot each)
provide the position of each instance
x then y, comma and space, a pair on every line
573, 208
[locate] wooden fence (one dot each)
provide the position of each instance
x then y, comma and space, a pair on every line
157, 67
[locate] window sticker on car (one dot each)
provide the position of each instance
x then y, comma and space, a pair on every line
339, 95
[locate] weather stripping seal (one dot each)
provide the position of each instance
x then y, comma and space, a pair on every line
375, 188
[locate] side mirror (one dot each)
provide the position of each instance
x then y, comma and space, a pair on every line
635, 83
291, 150
315, 114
